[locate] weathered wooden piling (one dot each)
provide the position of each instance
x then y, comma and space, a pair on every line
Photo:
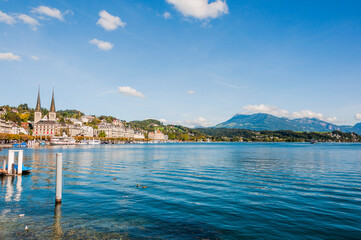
59, 177
4, 165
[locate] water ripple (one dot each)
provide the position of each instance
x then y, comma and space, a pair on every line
191, 191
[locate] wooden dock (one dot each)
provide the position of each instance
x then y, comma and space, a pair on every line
3, 146
3, 172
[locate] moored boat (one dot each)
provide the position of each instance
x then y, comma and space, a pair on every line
25, 169
62, 141
82, 142
94, 142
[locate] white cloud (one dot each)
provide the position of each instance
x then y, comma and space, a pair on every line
200, 9
358, 116
50, 12
106, 46
166, 15
191, 92
29, 20
199, 122
261, 108
34, 58
5, 18
9, 56
306, 114
162, 120
109, 22
330, 119
273, 110
130, 92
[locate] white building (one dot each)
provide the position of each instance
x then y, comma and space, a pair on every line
122, 132
138, 135
119, 131
2, 112
5, 126
75, 121
106, 128
117, 122
18, 130
76, 130
87, 131
73, 130
157, 135
87, 119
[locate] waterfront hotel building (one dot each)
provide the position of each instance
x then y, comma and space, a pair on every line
48, 125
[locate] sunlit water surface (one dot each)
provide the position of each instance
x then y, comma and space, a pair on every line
193, 191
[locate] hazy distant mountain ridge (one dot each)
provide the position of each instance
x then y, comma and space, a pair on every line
356, 128
263, 121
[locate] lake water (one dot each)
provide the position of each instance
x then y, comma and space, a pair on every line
194, 191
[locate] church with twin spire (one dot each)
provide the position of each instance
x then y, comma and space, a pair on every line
48, 125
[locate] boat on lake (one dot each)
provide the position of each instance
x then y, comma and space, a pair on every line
19, 145
82, 142
26, 170
89, 142
62, 141
94, 142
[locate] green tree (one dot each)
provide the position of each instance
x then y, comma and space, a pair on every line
14, 117
102, 134
23, 107
185, 137
31, 116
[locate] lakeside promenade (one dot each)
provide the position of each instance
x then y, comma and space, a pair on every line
7, 145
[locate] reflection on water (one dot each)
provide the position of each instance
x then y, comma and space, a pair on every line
9, 188
10, 194
18, 188
193, 191
58, 232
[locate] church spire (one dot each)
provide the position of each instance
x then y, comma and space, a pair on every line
52, 106
38, 105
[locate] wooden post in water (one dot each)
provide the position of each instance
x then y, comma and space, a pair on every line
59, 177
4, 165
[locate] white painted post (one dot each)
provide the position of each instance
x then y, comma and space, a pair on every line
59, 180
20, 162
10, 161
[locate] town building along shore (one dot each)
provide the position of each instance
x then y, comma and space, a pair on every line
49, 126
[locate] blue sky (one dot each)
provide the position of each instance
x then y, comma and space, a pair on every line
185, 61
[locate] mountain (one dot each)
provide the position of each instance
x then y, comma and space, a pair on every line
174, 132
259, 121
356, 128
263, 121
